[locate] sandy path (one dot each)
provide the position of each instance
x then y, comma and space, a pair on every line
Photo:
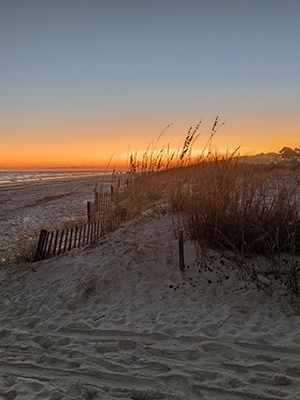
120, 321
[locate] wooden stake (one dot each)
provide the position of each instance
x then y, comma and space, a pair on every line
39, 250
96, 201
89, 212
181, 250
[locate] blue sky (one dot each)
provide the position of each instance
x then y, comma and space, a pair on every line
90, 77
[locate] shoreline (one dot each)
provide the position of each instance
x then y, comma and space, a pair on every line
29, 207
58, 178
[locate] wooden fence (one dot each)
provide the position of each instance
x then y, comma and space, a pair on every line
63, 240
103, 217
104, 204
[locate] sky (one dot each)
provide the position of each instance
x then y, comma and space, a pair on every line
86, 82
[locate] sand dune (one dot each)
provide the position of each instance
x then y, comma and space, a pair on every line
121, 321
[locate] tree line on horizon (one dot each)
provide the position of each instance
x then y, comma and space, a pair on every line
287, 153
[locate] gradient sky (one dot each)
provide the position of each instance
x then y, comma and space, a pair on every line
82, 80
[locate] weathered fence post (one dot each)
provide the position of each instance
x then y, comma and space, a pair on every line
96, 201
181, 250
89, 212
40, 247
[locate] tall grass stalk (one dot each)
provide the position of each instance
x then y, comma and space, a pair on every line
231, 206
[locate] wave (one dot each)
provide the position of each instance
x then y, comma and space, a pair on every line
19, 177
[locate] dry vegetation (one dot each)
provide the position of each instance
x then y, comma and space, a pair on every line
226, 205
251, 212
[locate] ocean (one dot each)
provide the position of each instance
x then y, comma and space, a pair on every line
8, 177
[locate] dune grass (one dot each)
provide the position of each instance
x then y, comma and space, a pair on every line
251, 212
232, 206
226, 205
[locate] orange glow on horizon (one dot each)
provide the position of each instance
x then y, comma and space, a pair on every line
90, 149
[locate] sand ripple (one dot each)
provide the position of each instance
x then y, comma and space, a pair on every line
120, 321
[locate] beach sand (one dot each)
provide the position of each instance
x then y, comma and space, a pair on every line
121, 321
26, 208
